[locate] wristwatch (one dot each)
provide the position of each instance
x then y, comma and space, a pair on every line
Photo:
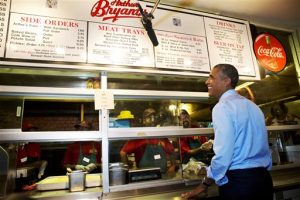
207, 181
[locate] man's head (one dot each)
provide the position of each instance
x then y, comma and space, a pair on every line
223, 77
279, 111
149, 118
184, 118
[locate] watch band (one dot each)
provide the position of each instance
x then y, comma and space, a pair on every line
207, 181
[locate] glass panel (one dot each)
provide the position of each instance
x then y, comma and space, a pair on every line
23, 76
145, 159
195, 152
142, 157
59, 115
10, 112
156, 82
43, 166
151, 113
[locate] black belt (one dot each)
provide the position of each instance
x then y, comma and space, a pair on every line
246, 171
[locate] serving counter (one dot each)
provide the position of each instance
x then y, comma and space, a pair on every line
283, 180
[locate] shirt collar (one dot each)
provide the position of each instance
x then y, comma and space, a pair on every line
227, 94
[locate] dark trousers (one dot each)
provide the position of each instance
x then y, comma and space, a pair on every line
247, 184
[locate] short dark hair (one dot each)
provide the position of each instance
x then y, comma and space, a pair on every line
279, 108
184, 112
231, 72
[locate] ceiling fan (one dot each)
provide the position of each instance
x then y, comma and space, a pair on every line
147, 22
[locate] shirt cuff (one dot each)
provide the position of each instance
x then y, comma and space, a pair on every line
218, 182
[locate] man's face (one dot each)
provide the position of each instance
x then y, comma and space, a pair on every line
184, 120
217, 84
149, 120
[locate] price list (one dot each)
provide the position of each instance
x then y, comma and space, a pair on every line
120, 45
4, 12
43, 38
228, 42
181, 51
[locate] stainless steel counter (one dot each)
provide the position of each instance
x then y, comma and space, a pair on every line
283, 179
89, 193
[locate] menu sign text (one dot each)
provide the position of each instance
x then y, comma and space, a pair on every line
228, 42
180, 51
44, 38
4, 12
110, 33
120, 45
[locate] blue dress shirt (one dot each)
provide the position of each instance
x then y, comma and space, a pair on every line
241, 139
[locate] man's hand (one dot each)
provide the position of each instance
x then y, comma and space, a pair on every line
90, 167
200, 191
79, 167
207, 145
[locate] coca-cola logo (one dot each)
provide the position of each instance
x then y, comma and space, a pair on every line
269, 52
273, 52
115, 10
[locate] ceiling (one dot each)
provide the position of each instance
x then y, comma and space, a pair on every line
275, 13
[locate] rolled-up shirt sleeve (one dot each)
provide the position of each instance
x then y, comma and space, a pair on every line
223, 144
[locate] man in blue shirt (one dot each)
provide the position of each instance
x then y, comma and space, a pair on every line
242, 156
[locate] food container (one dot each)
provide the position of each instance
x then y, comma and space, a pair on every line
118, 173
76, 181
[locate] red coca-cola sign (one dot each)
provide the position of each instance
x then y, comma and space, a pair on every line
269, 52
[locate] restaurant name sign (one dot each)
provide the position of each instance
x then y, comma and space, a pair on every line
115, 10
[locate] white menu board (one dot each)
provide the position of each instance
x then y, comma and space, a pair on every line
178, 22
4, 12
180, 51
228, 42
119, 45
44, 38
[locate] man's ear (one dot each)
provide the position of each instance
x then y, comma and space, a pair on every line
227, 82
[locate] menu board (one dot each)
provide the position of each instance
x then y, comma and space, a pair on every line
182, 45
228, 42
4, 11
180, 51
44, 38
87, 32
119, 45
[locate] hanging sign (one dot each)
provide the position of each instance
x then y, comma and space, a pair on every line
104, 99
4, 13
229, 42
44, 38
269, 52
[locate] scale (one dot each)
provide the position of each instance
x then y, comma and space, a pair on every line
144, 174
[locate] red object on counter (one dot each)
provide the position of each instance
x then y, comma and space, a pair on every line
29, 187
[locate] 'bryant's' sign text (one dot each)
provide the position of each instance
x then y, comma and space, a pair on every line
115, 9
